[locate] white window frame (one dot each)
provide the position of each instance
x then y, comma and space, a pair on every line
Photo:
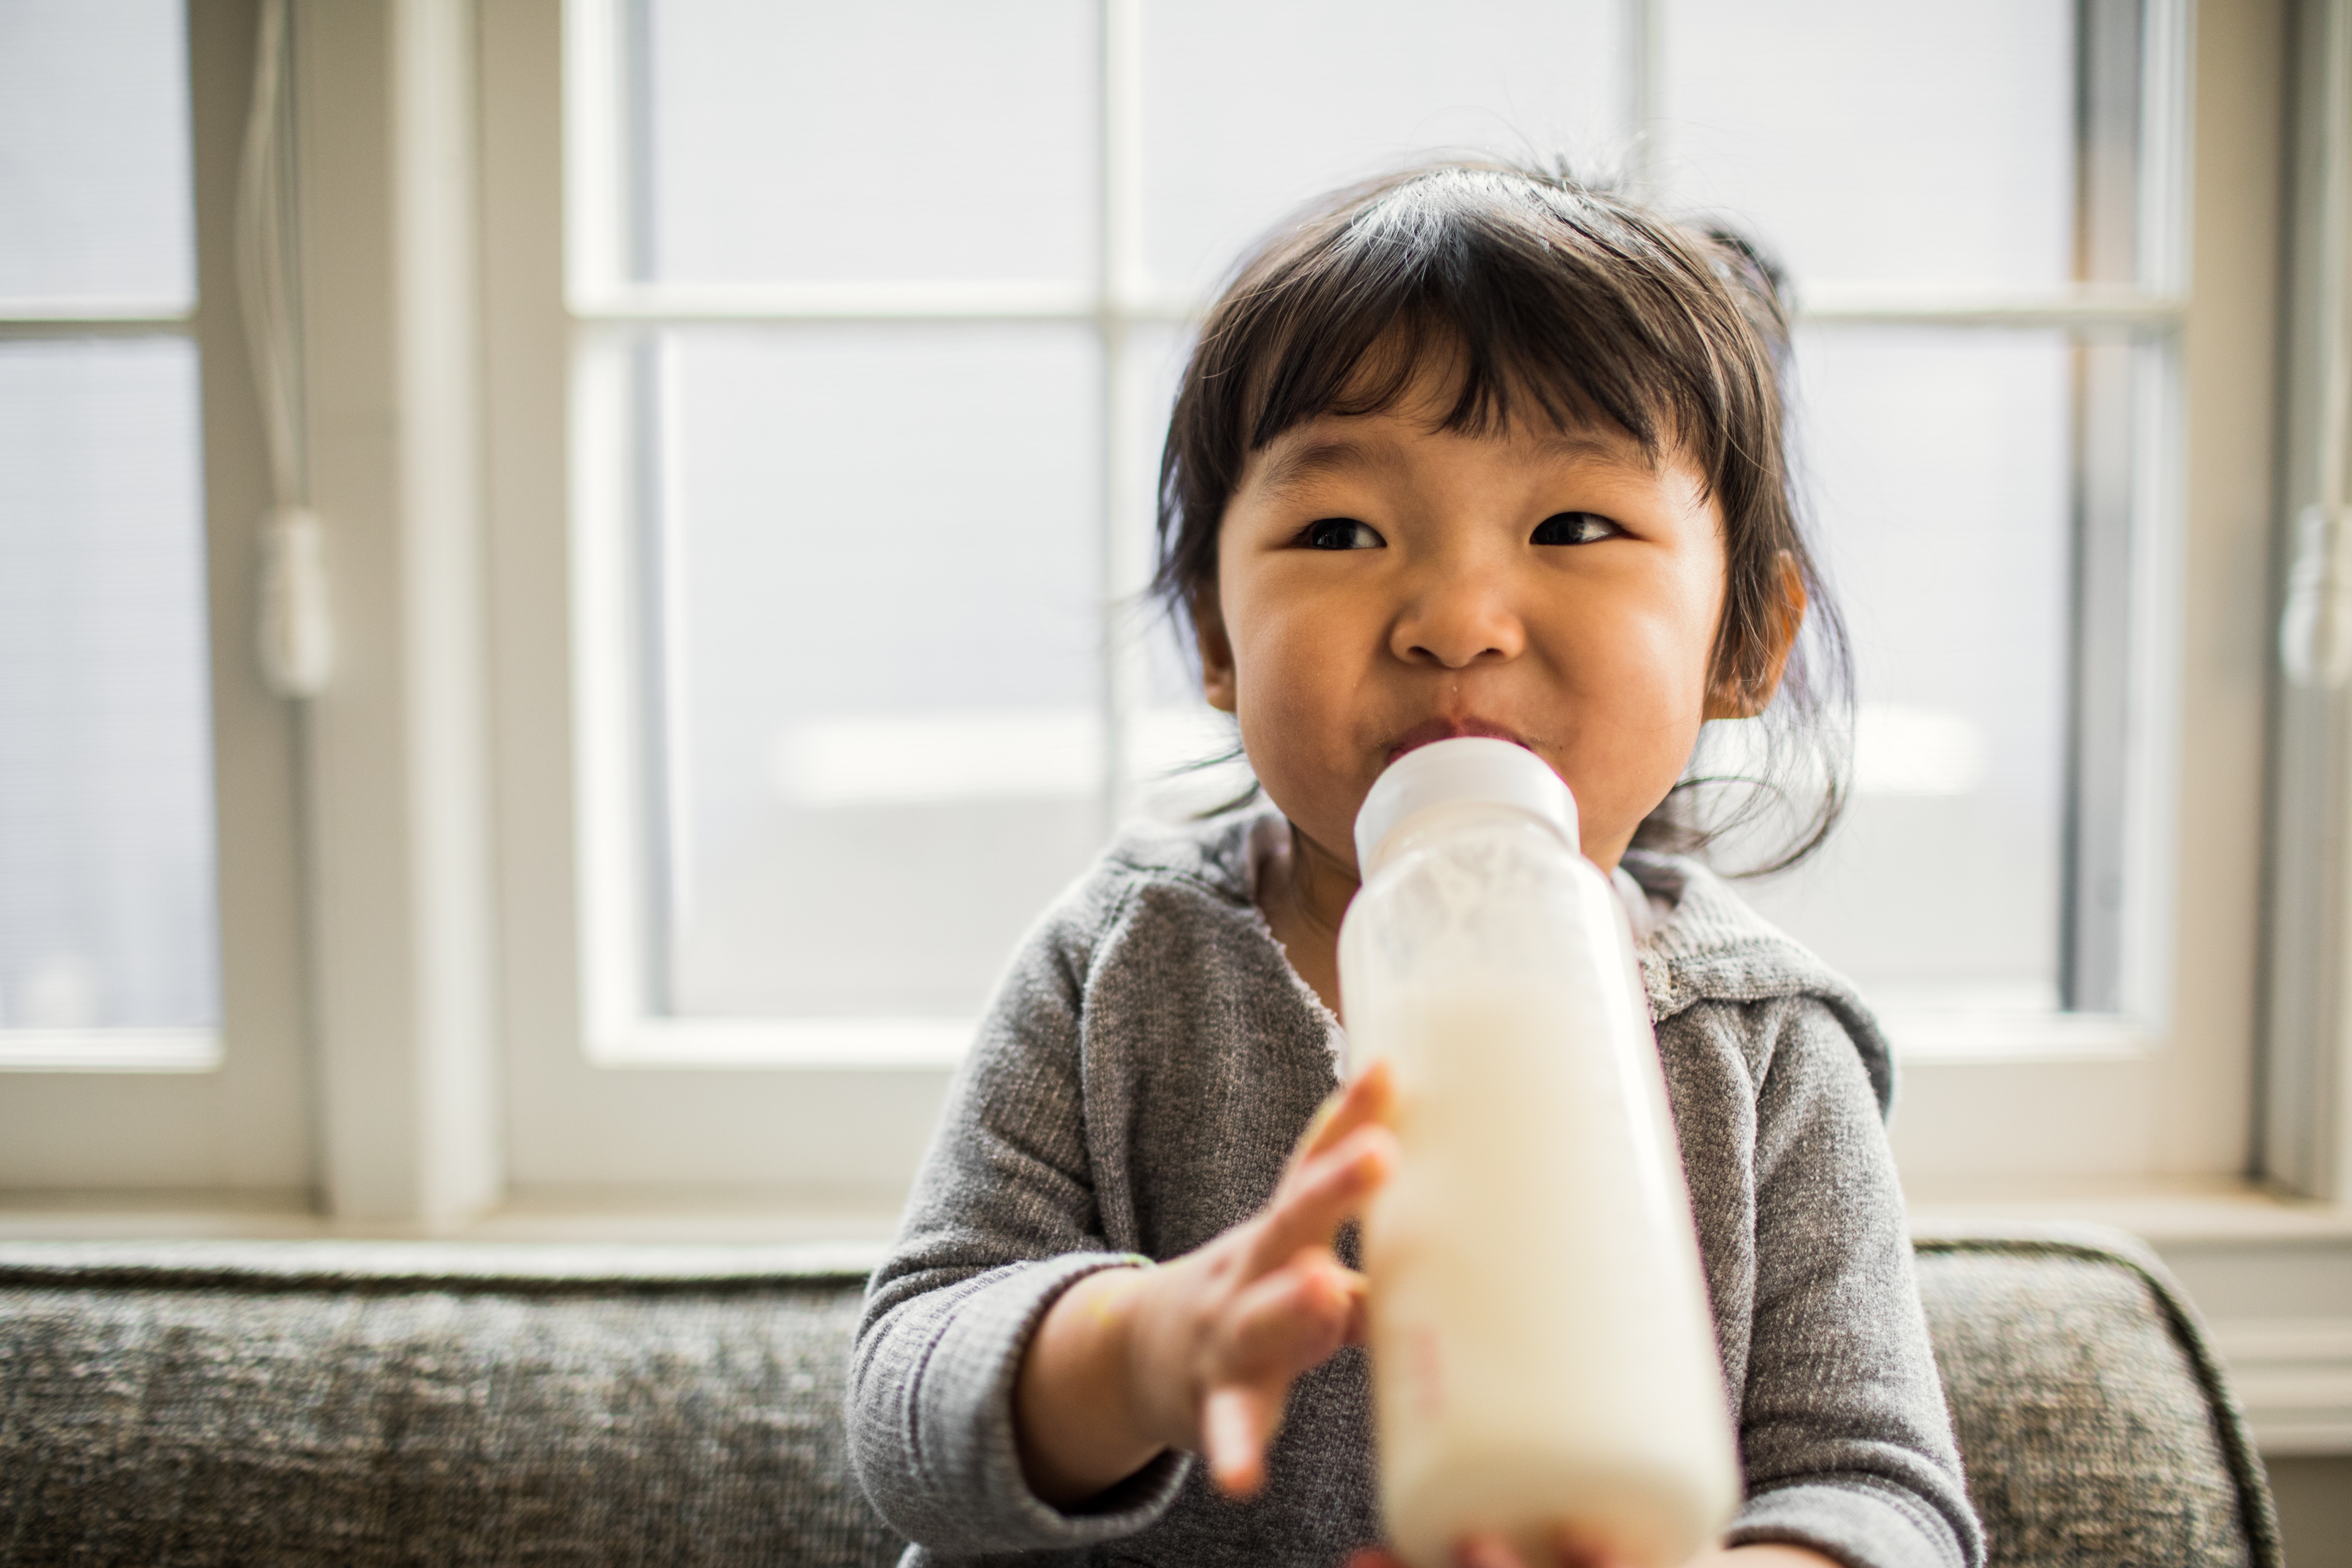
417, 997
221, 1109
608, 652
2155, 310
2161, 1091
357, 1068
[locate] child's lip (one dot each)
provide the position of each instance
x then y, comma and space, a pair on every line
1430, 729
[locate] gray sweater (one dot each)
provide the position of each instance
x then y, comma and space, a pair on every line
1143, 1073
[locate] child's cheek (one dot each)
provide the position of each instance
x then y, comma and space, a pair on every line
1631, 712
1302, 726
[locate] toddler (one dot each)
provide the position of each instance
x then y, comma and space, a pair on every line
1470, 451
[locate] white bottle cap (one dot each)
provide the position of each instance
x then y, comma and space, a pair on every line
1466, 770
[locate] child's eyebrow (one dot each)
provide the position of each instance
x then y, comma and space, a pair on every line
1585, 446
1314, 459
1327, 455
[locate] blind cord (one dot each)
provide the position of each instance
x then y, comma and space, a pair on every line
294, 634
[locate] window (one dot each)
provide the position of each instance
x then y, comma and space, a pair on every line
743, 400
1988, 382
149, 939
107, 913
818, 340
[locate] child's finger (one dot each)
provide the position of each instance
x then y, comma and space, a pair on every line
1365, 1099
1308, 1206
1236, 1422
1289, 1320
1360, 1298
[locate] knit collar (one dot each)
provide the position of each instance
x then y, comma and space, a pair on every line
1705, 946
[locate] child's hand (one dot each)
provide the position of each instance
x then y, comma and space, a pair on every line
1200, 1352
1228, 1326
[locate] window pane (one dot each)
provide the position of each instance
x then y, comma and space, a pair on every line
1943, 473
1924, 144
107, 910
880, 580
94, 152
828, 800
890, 139
1250, 109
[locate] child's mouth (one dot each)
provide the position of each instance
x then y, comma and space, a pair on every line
1430, 729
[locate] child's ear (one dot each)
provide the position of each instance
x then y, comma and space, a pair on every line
1216, 649
1728, 697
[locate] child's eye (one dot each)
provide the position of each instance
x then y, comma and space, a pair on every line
1340, 533
1573, 528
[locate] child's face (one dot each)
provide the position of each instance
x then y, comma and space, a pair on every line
1381, 585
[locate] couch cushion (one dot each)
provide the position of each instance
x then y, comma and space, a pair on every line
2095, 1424
381, 1402
417, 1404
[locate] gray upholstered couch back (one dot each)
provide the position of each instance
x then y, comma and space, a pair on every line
392, 1403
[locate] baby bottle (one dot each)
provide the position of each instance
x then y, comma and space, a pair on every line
1543, 1357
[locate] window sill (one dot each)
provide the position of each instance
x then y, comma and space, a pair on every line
1943, 1038
2163, 1211
109, 1051
1988, 1036
851, 1223
2167, 1212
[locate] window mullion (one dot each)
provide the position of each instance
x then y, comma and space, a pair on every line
2304, 1138
1645, 86
1125, 563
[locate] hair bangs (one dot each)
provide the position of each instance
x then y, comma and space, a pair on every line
1437, 281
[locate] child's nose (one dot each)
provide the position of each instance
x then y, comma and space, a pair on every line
1456, 619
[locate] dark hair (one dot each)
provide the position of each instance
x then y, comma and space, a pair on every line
1574, 303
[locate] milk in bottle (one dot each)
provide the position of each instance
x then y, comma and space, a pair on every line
1543, 1356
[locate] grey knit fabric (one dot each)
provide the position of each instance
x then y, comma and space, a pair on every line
1149, 1063
360, 1409
2097, 1426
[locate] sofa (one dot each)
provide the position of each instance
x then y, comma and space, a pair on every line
381, 1402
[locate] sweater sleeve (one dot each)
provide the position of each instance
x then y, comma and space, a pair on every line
1002, 1219
1846, 1443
